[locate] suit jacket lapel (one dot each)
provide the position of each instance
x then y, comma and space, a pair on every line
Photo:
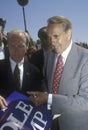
26, 74
50, 64
70, 66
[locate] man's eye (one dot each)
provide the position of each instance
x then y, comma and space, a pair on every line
56, 36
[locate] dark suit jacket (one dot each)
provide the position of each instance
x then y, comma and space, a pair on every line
6, 52
31, 79
37, 59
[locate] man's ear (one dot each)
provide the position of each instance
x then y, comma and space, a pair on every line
69, 33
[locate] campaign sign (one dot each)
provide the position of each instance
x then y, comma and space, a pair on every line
22, 114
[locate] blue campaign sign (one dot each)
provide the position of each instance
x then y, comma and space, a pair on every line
21, 114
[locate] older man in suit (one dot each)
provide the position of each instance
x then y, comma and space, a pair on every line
26, 76
70, 97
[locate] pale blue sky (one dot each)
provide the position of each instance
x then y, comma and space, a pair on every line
38, 11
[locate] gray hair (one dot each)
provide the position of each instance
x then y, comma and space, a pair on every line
17, 31
60, 20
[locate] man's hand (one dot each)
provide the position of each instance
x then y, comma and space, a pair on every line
3, 102
38, 98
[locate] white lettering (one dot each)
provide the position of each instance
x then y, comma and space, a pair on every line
9, 124
38, 122
26, 110
24, 107
20, 124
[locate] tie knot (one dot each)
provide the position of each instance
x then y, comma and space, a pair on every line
60, 57
60, 61
16, 66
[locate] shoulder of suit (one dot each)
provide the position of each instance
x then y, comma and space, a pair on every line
82, 49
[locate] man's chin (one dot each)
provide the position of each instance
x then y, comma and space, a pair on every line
16, 60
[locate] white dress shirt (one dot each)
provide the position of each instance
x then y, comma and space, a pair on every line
64, 55
2, 55
20, 66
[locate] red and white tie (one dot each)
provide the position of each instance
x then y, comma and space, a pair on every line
57, 75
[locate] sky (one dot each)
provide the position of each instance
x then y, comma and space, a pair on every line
37, 13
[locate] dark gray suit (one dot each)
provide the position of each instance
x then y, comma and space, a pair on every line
72, 99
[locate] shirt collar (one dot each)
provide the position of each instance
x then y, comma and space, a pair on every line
13, 63
66, 52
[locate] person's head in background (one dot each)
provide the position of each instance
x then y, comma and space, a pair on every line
31, 46
2, 23
42, 34
17, 44
30, 41
59, 31
2, 26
